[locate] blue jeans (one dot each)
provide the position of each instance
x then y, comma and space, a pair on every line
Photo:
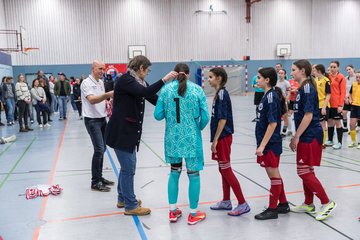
53, 103
10, 104
96, 129
62, 106
126, 178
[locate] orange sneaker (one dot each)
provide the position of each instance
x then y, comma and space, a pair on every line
173, 216
200, 216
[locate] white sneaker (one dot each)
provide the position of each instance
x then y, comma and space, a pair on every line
325, 211
329, 143
337, 146
40, 125
353, 145
47, 125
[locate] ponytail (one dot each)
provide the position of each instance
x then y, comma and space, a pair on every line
183, 70
182, 83
282, 100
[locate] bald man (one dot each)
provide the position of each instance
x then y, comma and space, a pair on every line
94, 112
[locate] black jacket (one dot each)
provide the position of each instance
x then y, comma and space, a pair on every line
76, 92
124, 129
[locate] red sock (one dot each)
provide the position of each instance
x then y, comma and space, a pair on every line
275, 191
309, 196
225, 187
282, 197
314, 185
231, 179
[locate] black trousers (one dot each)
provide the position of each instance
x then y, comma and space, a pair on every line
23, 113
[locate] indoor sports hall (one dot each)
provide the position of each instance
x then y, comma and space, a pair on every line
47, 186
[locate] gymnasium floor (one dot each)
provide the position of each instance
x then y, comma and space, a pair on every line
62, 154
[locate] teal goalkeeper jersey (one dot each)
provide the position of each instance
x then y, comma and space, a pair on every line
185, 118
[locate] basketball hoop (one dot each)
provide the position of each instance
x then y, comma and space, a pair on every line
28, 49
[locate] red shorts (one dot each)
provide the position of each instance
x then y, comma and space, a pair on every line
309, 153
269, 160
223, 149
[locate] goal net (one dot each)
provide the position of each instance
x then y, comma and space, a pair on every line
236, 76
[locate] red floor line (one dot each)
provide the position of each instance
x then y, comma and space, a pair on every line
349, 186
159, 208
50, 180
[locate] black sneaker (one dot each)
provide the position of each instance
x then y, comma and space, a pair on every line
267, 214
100, 187
29, 129
107, 182
283, 208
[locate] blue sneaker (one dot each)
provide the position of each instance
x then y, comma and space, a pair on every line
222, 205
240, 210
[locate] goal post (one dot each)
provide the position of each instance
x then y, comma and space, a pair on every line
235, 84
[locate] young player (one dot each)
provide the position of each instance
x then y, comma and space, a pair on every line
269, 142
285, 87
294, 85
184, 107
324, 93
307, 141
354, 100
222, 128
338, 92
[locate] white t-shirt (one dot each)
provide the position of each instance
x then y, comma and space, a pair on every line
284, 86
92, 87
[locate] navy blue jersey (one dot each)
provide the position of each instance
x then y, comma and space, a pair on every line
221, 109
269, 112
307, 101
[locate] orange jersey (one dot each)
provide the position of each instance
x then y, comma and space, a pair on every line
294, 85
338, 90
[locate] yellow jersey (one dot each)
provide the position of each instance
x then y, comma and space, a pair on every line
323, 88
355, 93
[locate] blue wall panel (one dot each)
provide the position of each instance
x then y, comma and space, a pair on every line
158, 70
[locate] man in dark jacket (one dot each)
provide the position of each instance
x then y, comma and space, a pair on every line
62, 90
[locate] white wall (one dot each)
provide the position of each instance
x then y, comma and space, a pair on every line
74, 32
3, 41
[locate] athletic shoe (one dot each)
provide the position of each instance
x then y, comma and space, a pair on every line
323, 146
173, 216
29, 129
283, 208
337, 146
107, 182
100, 187
240, 210
303, 208
40, 126
267, 214
325, 211
358, 147
329, 143
47, 125
122, 204
222, 205
353, 145
61, 118
139, 211
31, 121
200, 216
